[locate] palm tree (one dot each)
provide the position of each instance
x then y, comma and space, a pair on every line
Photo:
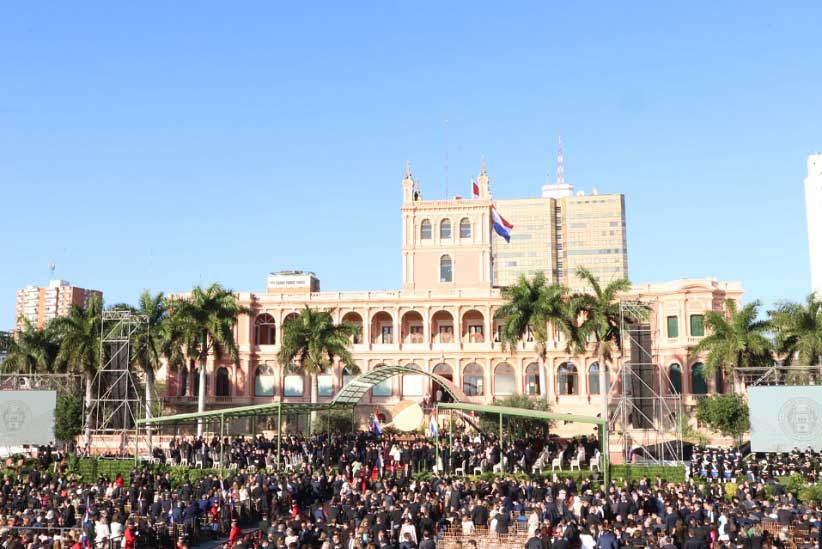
206, 321
151, 342
79, 333
737, 339
531, 304
600, 322
311, 341
797, 331
32, 350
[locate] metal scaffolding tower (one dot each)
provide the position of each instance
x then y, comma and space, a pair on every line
118, 403
649, 407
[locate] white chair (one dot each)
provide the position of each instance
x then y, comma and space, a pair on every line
477, 470
460, 471
556, 464
595, 461
575, 463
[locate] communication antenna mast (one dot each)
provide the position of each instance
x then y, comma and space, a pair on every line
560, 163
446, 159
52, 267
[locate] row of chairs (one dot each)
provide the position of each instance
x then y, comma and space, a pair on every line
574, 463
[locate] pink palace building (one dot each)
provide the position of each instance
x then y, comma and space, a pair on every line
442, 320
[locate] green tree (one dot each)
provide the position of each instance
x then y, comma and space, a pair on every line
312, 340
333, 422
79, 353
797, 330
601, 322
518, 427
33, 350
151, 342
737, 340
726, 414
204, 325
68, 417
531, 304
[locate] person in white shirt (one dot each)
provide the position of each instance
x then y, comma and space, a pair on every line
533, 523
409, 528
102, 531
467, 525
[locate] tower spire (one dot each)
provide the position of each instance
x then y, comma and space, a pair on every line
408, 169
482, 166
560, 163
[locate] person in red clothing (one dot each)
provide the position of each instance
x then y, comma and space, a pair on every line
129, 539
235, 534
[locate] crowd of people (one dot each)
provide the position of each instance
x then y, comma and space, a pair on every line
730, 464
361, 492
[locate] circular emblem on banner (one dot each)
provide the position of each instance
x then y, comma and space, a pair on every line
800, 419
14, 416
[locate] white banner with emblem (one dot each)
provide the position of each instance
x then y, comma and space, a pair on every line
27, 417
785, 417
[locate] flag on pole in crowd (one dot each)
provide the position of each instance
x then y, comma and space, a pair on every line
84, 541
501, 226
433, 426
171, 515
474, 189
377, 427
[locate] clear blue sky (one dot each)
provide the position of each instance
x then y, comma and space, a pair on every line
162, 145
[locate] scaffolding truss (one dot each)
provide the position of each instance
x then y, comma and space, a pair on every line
780, 375
648, 412
118, 403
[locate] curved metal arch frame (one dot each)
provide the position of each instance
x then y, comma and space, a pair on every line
353, 392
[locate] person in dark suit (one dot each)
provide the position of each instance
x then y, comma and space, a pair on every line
694, 541
535, 541
427, 542
479, 515
607, 539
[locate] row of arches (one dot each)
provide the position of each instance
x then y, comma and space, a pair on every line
412, 324
445, 229
473, 380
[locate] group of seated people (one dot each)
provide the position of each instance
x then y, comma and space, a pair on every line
730, 464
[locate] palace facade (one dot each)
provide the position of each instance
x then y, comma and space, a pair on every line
442, 322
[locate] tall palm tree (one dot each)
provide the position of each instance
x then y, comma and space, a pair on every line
600, 321
797, 331
311, 341
33, 350
151, 342
206, 320
531, 304
79, 353
737, 340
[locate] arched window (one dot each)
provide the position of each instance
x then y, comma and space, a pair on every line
197, 383
183, 391
264, 381
473, 380
465, 228
532, 379
445, 228
325, 384
425, 230
265, 330
348, 375
413, 384
446, 270
223, 388
503, 380
293, 384
675, 373
593, 379
698, 384
567, 379
383, 388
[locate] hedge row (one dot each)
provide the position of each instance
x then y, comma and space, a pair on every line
91, 468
